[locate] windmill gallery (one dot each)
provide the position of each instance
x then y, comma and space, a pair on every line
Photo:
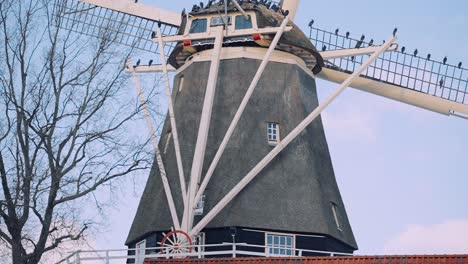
250, 173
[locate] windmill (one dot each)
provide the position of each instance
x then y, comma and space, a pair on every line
256, 81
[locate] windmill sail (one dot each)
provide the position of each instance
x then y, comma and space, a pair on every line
133, 23
400, 75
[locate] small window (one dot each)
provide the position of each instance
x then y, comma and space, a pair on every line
198, 26
280, 245
200, 205
219, 21
181, 83
335, 215
242, 23
140, 252
168, 140
273, 133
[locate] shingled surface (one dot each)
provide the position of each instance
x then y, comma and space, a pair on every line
433, 259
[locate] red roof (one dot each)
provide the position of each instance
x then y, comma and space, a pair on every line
433, 259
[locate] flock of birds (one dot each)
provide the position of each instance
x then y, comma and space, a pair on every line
273, 5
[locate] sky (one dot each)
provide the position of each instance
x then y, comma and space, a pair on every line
402, 171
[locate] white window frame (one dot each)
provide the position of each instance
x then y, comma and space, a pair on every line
273, 133
140, 258
292, 249
231, 26
334, 207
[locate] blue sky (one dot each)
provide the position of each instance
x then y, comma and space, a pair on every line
402, 171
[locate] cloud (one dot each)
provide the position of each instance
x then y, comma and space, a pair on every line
450, 237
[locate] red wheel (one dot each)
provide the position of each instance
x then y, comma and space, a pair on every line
176, 242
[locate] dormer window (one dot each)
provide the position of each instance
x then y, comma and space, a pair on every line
220, 21
199, 25
242, 23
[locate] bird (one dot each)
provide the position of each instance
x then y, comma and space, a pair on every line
415, 52
347, 34
286, 13
150, 62
428, 56
138, 62
311, 23
153, 35
395, 31
359, 43
274, 8
441, 83
459, 65
201, 5
324, 48
336, 31
371, 43
445, 60
403, 49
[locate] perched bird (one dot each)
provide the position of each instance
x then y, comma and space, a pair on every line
429, 56
359, 43
371, 43
311, 23
459, 65
150, 62
336, 31
347, 34
274, 8
441, 83
445, 60
395, 31
153, 35
324, 48
415, 52
403, 49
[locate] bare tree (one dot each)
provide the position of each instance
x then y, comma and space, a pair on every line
64, 119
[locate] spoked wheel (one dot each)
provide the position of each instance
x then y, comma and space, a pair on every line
176, 242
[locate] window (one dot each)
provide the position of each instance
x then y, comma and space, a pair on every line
198, 25
335, 215
181, 83
140, 252
242, 23
219, 21
282, 245
273, 133
200, 205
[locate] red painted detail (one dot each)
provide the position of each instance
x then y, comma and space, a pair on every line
257, 36
174, 233
429, 259
187, 43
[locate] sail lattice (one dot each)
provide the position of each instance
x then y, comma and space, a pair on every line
95, 21
401, 68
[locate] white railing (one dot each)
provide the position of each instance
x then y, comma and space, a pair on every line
197, 251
